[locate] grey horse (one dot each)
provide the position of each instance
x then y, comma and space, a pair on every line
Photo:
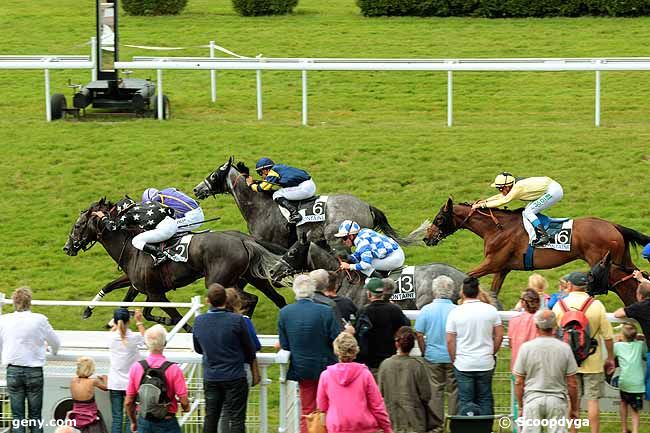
265, 222
306, 256
218, 257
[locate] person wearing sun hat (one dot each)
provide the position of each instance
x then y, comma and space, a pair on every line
386, 319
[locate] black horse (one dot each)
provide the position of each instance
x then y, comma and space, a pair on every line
225, 258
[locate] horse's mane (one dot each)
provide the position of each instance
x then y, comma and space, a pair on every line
499, 210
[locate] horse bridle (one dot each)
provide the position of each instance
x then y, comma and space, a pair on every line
441, 235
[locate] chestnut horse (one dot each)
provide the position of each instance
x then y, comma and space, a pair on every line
506, 241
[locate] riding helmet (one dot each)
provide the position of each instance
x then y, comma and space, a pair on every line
264, 163
149, 194
124, 204
646, 252
503, 179
347, 227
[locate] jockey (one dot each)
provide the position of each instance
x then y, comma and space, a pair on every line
646, 252
373, 251
188, 213
541, 192
288, 183
156, 220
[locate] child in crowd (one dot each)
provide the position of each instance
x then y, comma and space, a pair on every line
630, 354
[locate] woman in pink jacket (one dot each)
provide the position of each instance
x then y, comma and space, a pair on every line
349, 395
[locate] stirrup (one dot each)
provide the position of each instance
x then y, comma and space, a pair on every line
295, 218
541, 241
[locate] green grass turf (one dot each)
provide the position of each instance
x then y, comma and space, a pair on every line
378, 135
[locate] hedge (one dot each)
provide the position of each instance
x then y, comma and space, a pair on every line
153, 7
250, 8
504, 8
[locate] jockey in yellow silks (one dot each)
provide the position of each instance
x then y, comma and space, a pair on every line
541, 192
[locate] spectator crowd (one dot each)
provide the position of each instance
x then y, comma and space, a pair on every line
358, 366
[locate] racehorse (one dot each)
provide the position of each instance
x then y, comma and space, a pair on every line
506, 241
221, 258
306, 256
265, 221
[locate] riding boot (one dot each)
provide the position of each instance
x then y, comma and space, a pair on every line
159, 256
294, 215
542, 237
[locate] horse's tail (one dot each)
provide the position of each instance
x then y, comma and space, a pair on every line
379, 221
633, 237
260, 261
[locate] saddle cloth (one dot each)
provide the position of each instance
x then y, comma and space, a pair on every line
178, 247
558, 229
312, 209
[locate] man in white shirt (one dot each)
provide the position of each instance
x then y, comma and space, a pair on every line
25, 338
474, 336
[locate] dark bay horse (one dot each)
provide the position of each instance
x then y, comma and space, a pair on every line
265, 222
505, 242
221, 258
306, 256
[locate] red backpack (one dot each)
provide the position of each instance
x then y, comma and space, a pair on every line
576, 333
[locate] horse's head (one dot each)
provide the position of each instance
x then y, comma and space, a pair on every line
215, 183
295, 260
84, 232
442, 224
598, 282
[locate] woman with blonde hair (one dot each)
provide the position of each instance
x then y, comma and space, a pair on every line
404, 383
349, 395
84, 411
123, 346
538, 283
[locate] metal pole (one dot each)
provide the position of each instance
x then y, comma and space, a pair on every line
48, 108
258, 90
597, 114
282, 428
93, 58
264, 401
159, 85
450, 98
304, 98
213, 76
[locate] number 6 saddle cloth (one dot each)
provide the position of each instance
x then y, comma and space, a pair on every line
312, 209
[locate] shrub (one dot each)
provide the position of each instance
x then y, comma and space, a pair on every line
251, 8
153, 7
504, 8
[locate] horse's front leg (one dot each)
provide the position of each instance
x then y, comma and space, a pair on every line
487, 266
118, 283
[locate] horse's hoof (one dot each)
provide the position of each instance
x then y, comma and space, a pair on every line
87, 313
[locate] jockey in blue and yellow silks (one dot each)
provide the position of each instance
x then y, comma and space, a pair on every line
541, 192
286, 182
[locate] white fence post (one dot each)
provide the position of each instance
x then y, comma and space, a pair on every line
213, 76
597, 109
159, 88
93, 58
258, 89
48, 108
264, 400
304, 97
450, 98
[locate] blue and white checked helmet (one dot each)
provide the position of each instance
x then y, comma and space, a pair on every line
646, 252
347, 227
149, 194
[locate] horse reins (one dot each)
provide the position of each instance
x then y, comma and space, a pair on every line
489, 214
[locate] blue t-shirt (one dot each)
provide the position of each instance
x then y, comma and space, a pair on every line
432, 322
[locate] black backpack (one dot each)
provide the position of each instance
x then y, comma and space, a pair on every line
362, 328
152, 393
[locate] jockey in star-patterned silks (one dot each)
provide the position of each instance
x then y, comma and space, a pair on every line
189, 215
541, 192
156, 220
286, 182
373, 251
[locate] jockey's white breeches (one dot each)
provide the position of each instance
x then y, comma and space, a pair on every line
553, 194
392, 261
304, 190
191, 221
163, 231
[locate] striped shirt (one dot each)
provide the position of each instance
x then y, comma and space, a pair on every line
371, 245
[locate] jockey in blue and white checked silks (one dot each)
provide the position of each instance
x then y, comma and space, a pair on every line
189, 215
373, 251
